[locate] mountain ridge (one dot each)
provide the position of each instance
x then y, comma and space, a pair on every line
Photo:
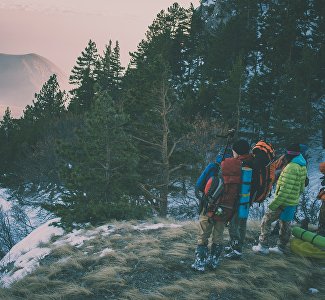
21, 76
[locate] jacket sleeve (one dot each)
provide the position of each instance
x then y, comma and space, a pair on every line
279, 192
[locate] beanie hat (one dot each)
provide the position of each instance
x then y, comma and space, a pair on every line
293, 149
241, 147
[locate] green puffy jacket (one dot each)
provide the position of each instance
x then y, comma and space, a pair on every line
291, 184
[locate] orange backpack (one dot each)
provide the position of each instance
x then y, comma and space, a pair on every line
263, 171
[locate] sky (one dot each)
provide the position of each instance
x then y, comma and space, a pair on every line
60, 29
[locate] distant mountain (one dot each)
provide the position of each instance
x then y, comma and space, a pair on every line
21, 76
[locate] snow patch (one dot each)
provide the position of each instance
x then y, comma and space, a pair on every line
23, 258
78, 237
26, 264
105, 252
146, 226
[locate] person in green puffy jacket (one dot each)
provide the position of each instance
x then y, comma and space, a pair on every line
290, 186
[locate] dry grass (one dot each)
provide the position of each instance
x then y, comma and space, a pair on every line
155, 264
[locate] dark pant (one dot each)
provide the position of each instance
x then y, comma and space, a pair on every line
237, 232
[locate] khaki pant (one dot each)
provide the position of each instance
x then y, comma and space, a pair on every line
285, 228
207, 228
237, 231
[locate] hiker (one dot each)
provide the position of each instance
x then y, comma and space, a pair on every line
321, 196
237, 226
290, 185
281, 162
221, 203
261, 163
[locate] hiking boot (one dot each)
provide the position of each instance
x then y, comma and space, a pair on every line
236, 250
261, 249
228, 249
201, 258
234, 254
213, 260
276, 250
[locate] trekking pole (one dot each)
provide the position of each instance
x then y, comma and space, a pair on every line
230, 134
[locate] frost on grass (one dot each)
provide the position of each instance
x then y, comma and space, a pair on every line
146, 226
78, 237
24, 257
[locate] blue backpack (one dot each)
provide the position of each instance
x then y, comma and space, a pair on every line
212, 169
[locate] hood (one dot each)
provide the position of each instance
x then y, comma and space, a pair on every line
299, 160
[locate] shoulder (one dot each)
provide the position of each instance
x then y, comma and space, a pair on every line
294, 167
231, 164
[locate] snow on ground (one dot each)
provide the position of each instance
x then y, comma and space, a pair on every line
105, 252
5, 204
24, 257
78, 237
146, 226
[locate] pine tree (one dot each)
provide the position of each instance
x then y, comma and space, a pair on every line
8, 132
100, 169
117, 69
48, 104
34, 160
167, 35
83, 79
110, 71
286, 47
47, 107
230, 104
7, 124
159, 130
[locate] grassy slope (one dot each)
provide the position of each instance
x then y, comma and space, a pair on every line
155, 264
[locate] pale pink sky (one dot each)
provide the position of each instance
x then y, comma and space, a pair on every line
60, 29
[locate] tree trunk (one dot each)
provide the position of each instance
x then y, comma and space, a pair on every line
238, 105
164, 152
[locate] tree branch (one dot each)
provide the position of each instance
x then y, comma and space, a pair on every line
147, 142
177, 168
148, 193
